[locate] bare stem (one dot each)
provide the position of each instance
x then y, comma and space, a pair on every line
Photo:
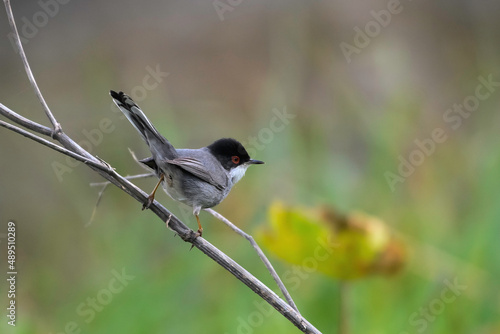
261, 254
226, 221
104, 186
27, 123
128, 177
72, 149
12, 22
53, 146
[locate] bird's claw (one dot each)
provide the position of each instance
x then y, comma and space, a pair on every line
148, 203
196, 235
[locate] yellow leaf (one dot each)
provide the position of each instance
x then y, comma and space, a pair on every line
343, 247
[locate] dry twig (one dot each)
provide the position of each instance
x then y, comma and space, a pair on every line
71, 148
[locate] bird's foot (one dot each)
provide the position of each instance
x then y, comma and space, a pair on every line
148, 202
151, 197
196, 235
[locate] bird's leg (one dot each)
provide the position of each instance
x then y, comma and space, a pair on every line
199, 232
200, 229
151, 197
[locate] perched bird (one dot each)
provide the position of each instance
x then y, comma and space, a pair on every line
200, 178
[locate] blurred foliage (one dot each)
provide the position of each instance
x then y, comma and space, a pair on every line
343, 247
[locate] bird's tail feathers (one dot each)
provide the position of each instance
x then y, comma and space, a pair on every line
145, 128
133, 113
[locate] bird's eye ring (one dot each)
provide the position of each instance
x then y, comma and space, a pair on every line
235, 159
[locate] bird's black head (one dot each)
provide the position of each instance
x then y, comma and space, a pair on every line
231, 153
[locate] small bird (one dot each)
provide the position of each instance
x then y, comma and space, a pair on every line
200, 178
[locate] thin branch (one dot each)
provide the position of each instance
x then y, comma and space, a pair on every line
53, 146
99, 197
27, 123
185, 233
104, 186
140, 164
226, 221
65, 140
72, 149
56, 132
218, 256
261, 254
128, 177
12, 22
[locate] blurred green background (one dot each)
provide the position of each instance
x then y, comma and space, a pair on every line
231, 67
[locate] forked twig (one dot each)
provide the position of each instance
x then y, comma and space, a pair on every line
47, 143
261, 254
71, 148
226, 221
29, 73
128, 177
99, 197
104, 186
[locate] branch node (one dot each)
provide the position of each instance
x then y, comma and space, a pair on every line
72, 149
190, 236
168, 221
105, 163
56, 131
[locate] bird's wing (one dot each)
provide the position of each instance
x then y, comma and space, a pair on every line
196, 167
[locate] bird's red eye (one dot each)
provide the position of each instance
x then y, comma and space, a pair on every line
235, 159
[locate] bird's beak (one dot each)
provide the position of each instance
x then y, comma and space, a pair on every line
255, 162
